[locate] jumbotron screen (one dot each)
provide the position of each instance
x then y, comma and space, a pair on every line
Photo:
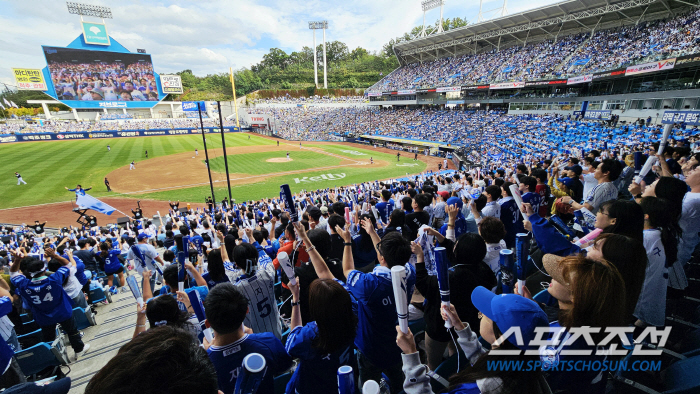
106, 77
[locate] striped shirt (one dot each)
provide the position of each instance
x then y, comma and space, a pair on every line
260, 292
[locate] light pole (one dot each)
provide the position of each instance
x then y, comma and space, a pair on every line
314, 26
429, 5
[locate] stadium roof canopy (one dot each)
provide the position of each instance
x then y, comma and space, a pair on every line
539, 24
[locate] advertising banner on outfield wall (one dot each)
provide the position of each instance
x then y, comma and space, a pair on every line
651, 67
598, 114
546, 83
608, 74
691, 118
29, 79
507, 85
5, 138
171, 84
448, 89
580, 79
189, 106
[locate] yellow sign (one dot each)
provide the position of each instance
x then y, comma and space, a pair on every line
29, 79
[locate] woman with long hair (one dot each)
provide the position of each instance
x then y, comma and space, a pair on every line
397, 222
324, 344
362, 247
590, 292
661, 244
629, 256
216, 273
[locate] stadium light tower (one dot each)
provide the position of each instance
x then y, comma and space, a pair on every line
314, 26
89, 10
429, 5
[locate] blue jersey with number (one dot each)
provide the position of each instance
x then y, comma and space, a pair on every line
384, 209
533, 199
112, 263
317, 371
197, 241
48, 301
512, 220
228, 359
376, 313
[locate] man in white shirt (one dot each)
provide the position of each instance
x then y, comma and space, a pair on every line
690, 224
608, 171
143, 254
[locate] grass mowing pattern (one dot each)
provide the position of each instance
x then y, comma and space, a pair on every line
256, 164
48, 166
271, 187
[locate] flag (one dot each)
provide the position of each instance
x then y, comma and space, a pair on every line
6, 102
14, 105
90, 202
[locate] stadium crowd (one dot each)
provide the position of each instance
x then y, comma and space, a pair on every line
287, 99
564, 57
605, 250
103, 81
62, 126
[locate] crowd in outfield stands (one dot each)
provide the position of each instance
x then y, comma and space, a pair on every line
62, 126
566, 56
575, 178
310, 100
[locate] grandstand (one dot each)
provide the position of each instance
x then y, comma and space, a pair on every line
549, 117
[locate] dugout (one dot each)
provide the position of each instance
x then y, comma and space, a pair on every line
409, 145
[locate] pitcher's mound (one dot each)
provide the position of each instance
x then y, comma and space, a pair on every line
278, 160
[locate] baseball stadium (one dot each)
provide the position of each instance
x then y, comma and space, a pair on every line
505, 202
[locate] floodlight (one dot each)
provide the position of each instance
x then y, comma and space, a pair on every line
89, 10
430, 4
318, 25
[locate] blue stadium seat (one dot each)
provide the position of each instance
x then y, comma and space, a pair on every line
41, 356
30, 339
98, 295
83, 319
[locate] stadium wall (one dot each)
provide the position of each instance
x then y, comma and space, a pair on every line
31, 137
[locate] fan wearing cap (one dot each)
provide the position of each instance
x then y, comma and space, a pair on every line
590, 292
144, 256
48, 301
439, 204
492, 208
498, 314
455, 219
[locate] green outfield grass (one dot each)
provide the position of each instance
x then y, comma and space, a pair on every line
297, 182
49, 166
256, 164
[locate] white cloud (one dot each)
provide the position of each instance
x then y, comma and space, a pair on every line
210, 36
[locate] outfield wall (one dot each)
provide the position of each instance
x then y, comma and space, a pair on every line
83, 135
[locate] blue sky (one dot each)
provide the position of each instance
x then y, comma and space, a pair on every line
209, 36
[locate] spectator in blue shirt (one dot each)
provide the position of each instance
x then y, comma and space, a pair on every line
226, 309
49, 303
376, 309
326, 343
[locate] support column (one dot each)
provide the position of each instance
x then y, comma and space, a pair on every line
315, 62
325, 80
47, 113
75, 114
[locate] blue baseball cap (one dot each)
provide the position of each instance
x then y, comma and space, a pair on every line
568, 182
510, 310
142, 236
454, 201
